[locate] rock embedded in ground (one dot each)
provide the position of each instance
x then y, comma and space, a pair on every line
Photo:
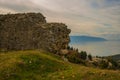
25, 31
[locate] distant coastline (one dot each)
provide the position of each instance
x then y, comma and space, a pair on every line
86, 39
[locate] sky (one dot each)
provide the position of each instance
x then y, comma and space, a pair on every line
84, 17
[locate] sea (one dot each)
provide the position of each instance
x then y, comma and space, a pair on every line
98, 48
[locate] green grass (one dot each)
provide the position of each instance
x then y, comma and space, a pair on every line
41, 65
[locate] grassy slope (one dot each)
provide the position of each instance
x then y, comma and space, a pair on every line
41, 65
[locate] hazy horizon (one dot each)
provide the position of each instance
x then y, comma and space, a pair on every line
84, 17
96, 48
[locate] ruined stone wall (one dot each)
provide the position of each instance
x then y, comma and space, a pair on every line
31, 31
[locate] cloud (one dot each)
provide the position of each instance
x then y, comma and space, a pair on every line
18, 5
86, 17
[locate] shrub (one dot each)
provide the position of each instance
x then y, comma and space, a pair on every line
83, 55
103, 64
90, 57
74, 58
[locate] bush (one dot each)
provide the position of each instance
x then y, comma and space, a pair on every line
115, 65
90, 57
83, 55
74, 58
103, 64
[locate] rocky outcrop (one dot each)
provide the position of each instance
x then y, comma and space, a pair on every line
31, 31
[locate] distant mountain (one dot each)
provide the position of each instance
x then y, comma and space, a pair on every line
116, 57
86, 38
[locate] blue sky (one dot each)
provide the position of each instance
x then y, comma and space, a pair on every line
83, 17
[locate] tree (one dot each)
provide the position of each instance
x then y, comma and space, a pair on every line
83, 55
74, 58
77, 50
68, 48
90, 57
71, 48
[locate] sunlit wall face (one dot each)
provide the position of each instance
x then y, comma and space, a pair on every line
84, 17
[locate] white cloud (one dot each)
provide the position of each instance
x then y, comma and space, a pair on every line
91, 17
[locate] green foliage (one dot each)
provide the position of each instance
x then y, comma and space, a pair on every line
83, 55
115, 65
74, 58
77, 57
68, 47
103, 64
90, 57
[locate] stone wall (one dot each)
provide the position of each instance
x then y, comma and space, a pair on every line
31, 31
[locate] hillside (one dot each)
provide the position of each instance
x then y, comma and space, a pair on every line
86, 39
42, 65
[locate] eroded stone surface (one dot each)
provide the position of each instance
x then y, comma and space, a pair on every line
31, 31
